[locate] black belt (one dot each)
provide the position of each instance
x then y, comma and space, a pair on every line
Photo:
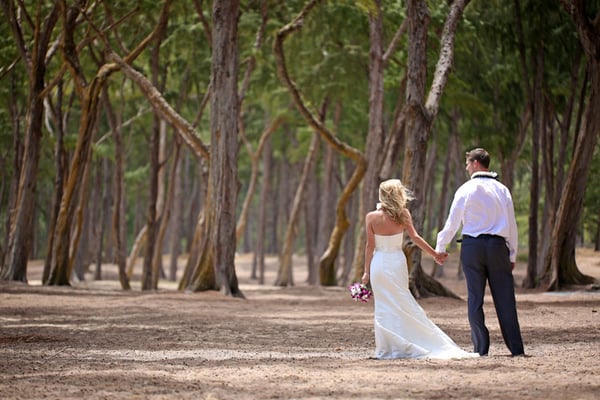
482, 236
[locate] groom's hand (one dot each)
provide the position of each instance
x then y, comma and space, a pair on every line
441, 258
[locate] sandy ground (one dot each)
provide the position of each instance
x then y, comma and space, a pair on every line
95, 341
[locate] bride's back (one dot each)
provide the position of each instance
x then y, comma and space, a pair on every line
383, 225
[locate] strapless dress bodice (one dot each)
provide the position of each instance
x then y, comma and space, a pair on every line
389, 243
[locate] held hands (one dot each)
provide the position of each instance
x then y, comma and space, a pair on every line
440, 258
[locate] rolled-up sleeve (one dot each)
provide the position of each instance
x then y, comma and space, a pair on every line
453, 222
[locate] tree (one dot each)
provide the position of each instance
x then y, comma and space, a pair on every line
89, 94
326, 264
223, 179
561, 264
35, 59
420, 114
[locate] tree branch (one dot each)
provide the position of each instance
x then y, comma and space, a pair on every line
442, 70
161, 106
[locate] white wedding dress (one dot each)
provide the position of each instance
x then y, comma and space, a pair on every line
402, 329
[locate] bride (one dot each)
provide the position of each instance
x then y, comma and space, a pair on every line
402, 329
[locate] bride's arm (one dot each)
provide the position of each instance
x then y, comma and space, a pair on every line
369, 248
418, 240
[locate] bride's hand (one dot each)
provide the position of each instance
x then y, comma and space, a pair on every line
365, 278
440, 258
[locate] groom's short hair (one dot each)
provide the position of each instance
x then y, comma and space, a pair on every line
479, 155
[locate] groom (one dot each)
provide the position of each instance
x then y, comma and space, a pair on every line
484, 207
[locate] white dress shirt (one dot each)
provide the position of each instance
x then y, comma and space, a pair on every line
482, 205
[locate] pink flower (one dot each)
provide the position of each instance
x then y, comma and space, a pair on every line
360, 292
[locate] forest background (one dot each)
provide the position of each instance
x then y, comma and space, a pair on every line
177, 130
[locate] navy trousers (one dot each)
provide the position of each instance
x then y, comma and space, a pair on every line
486, 259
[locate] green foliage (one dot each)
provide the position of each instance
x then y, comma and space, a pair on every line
328, 58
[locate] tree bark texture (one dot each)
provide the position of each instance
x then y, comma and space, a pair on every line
89, 96
224, 143
82, 155
561, 263
420, 114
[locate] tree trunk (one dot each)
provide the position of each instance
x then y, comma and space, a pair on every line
350, 241
561, 264
443, 201
375, 135
327, 196
21, 226
326, 264
151, 265
420, 115
82, 155
89, 94
255, 157
119, 233
311, 220
537, 132
17, 148
285, 276
223, 179
163, 206
60, 159
100, 188
177, 220
267, 158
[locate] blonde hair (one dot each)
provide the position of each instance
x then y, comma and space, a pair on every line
393, 196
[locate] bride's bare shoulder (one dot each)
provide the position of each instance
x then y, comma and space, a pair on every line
374, 213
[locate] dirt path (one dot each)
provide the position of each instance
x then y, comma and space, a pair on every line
94, 341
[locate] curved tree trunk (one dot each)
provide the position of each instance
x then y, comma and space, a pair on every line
89, 94
81, 157
326, 264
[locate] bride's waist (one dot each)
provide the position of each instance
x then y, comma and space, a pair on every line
390, 249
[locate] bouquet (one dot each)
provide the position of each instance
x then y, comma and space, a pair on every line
360, 292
